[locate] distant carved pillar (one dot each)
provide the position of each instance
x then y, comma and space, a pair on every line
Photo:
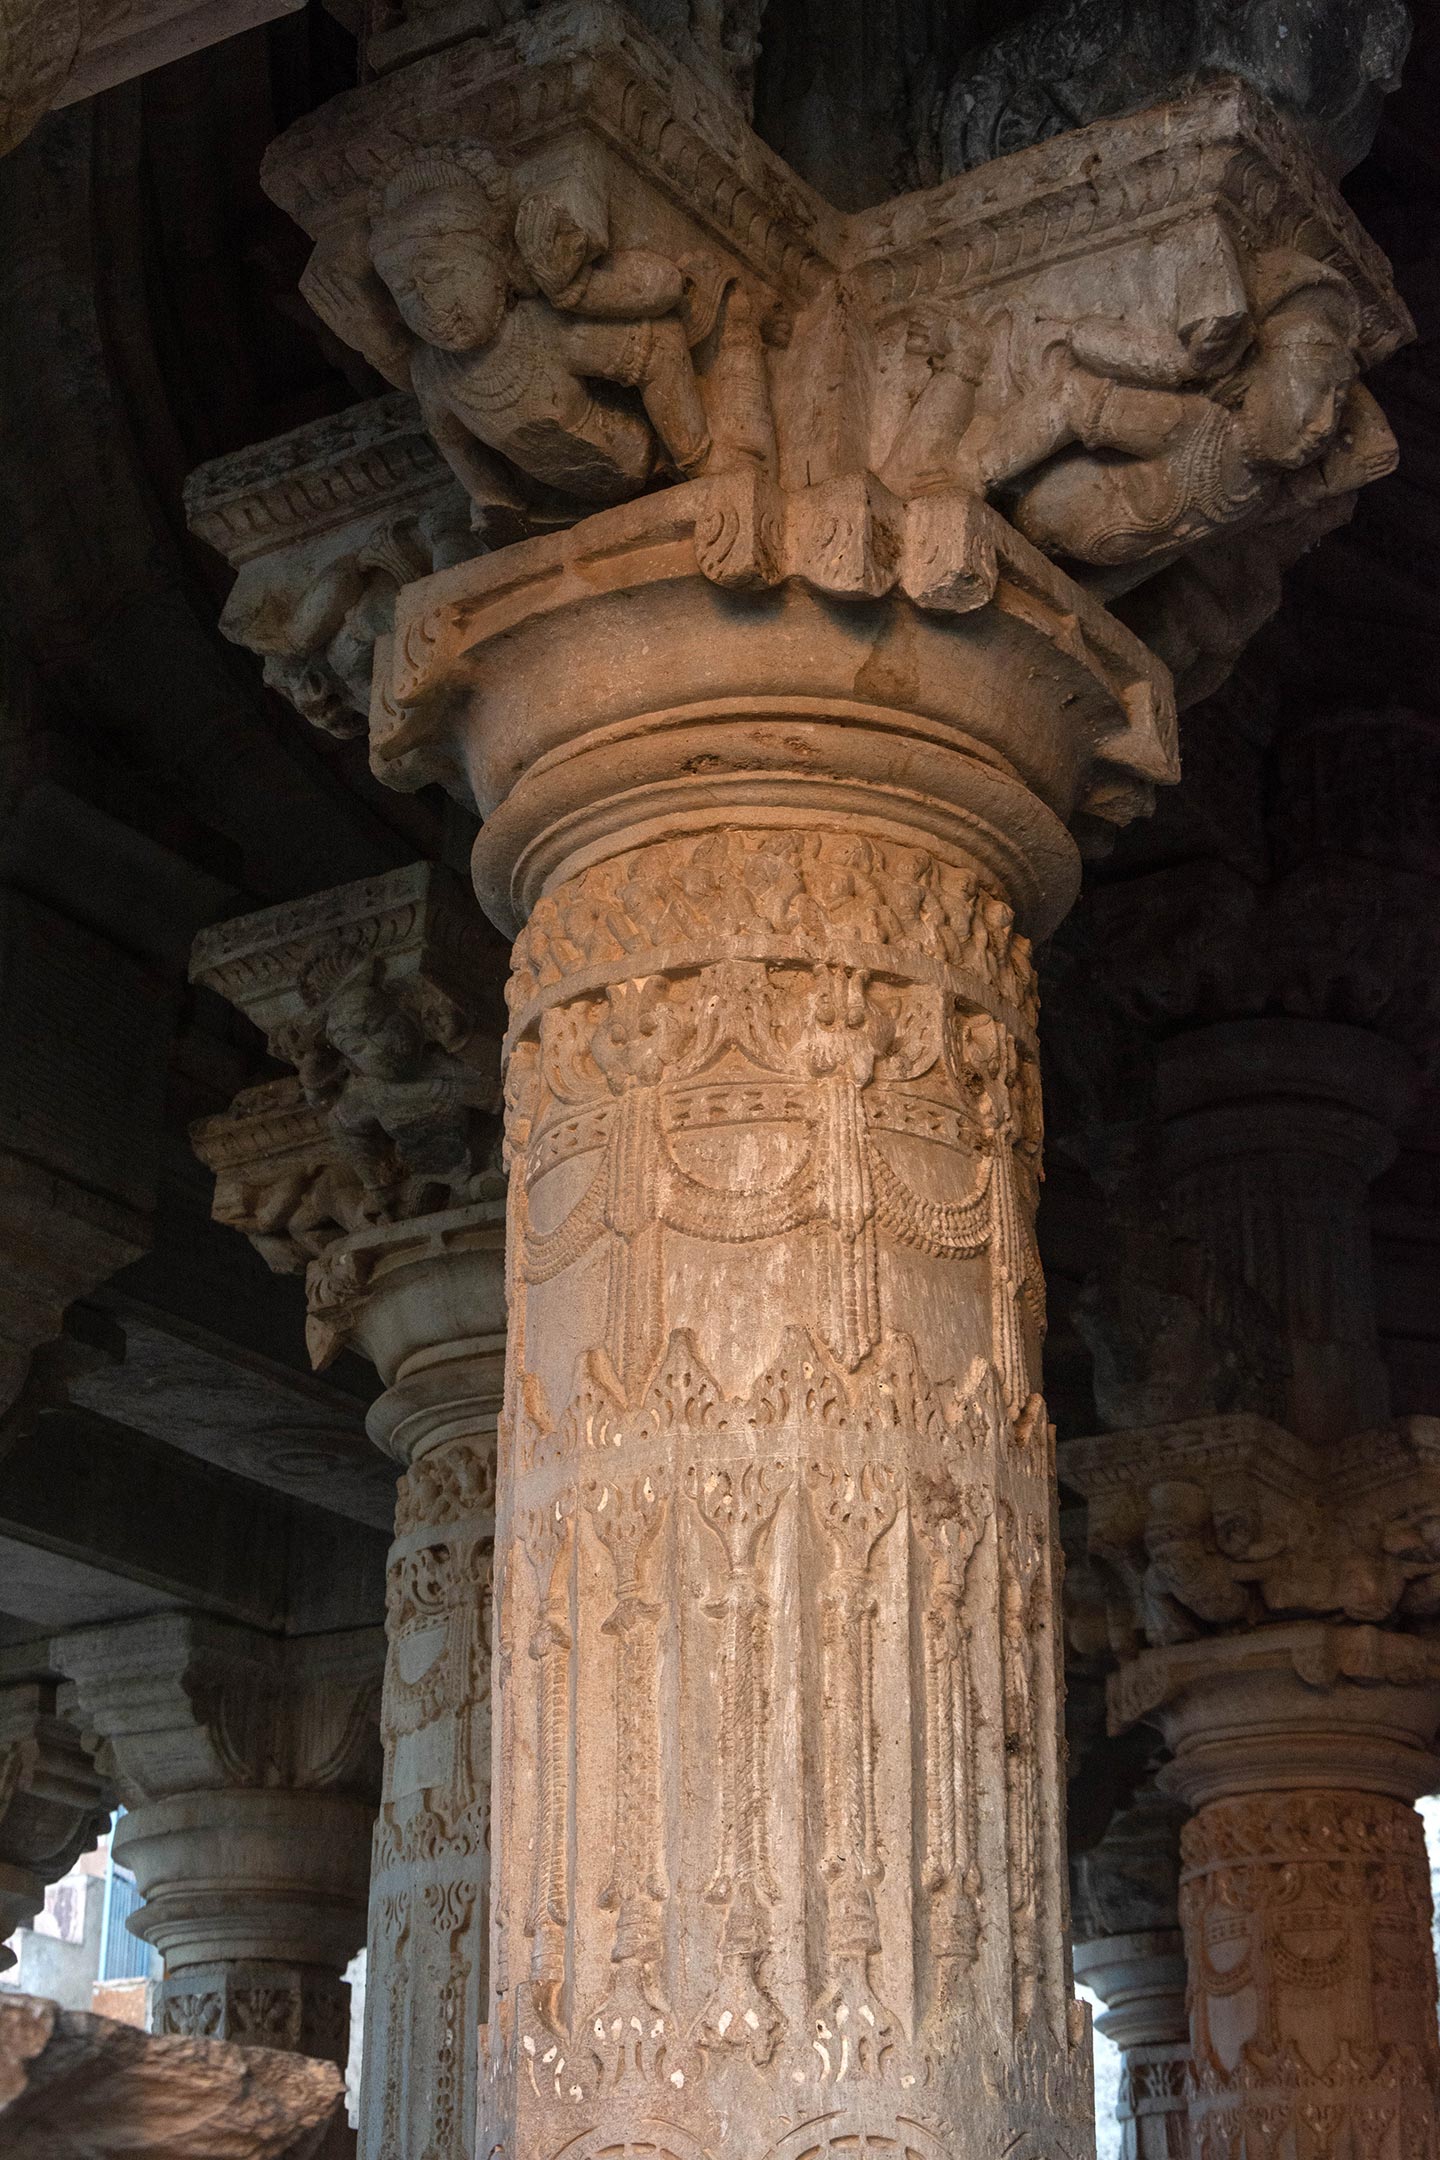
1129, 1950
779, 762
247, 1765
1274, 1131
1267, 1587
52, 1804
376, 1172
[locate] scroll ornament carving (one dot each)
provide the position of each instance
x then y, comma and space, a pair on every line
854, 1508
805, 1452
951, 1521
740, 1506
630, 2026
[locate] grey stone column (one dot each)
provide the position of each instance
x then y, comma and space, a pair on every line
248, 1767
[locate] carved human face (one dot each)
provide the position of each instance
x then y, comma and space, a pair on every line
448, 284
1296, 400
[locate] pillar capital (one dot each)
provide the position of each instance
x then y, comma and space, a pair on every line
322, 527
1233, 1522
179, 1702
1298, 1706
248, 1767
53, 1803
381, 994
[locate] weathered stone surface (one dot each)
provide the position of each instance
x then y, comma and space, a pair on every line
76, 2087
702, 276
816, 522
324, 526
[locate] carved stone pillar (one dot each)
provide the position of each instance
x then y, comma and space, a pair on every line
52, 1804
378, 993
778, 766
1274, 1131
246, 1765
1128, 1949
1299, 1742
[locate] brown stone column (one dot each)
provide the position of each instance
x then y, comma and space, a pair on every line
1274, 1131
378, 992
428, 1963
1129, 1950
1299, 1742
778, 765
1305, 1889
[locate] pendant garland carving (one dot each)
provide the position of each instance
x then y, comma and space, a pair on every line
647, 1078
779, 1563
740, 1506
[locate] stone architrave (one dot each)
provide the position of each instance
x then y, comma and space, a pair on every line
52, 1805
778, 766
375, 1171
246, 1764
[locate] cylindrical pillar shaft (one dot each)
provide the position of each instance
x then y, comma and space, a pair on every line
1312, 1976
431, 1322
778, 1814
1274, 1132
1305, 1889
